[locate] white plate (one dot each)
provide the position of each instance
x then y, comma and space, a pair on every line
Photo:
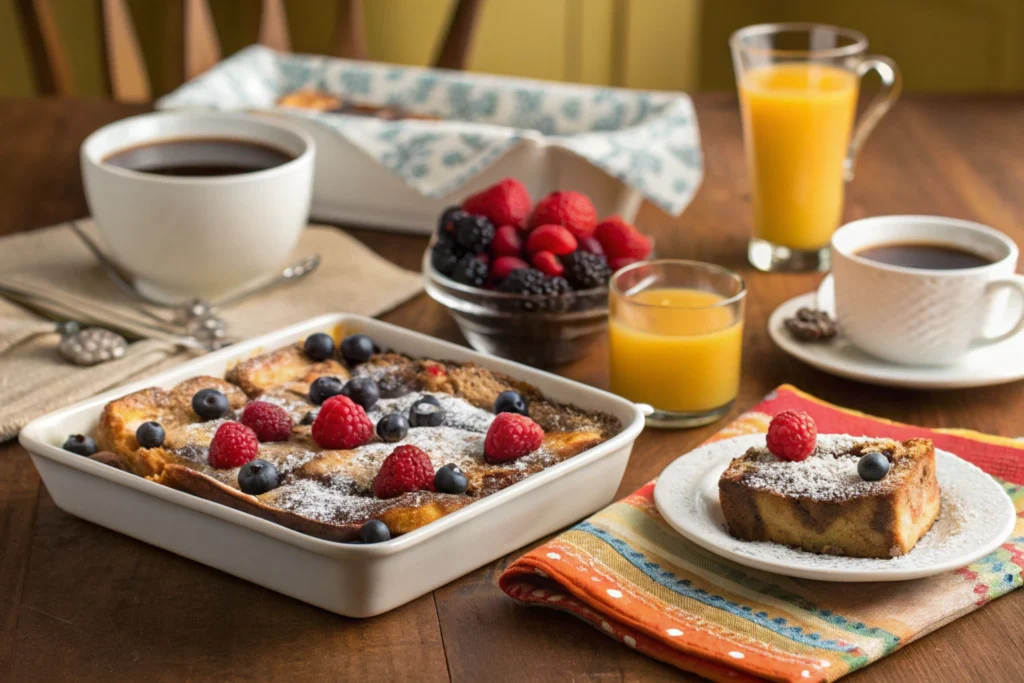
353, 580
997, 364
976, 518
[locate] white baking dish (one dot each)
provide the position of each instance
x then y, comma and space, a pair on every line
353, 580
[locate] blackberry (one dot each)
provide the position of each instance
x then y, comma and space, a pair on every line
449, 216
443, 256
530, 281
584, 270
474, 233
470, 271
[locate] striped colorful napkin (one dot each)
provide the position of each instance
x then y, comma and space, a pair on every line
626, 572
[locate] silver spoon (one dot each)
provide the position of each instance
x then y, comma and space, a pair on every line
93, 345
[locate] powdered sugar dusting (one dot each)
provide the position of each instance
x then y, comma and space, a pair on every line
342, 490
976, 516
458, 413
324, 502
828, 474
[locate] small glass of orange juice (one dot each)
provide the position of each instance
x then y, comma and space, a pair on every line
676, 337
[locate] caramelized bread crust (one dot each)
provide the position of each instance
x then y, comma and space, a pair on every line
822, 506
328, 493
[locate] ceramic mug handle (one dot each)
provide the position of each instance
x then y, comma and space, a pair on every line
1014, 283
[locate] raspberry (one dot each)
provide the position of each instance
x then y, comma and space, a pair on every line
573, 210
792, 435
590, 245
505, 203
474, 233
504, 265
471, 271
233, 445
507, 242
269, 422
619, 239
547, 263
511, 436
584, 270
407, 469
620, 263
341, 424
553, 238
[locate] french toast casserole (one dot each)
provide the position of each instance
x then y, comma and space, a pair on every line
823, 505
344, 441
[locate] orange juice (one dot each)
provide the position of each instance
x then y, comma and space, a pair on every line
670, 350
797, 119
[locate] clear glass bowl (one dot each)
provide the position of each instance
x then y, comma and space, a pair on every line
540, 331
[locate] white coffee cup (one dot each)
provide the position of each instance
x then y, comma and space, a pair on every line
187, 236
917, 316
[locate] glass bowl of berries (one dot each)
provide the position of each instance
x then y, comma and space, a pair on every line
524, 282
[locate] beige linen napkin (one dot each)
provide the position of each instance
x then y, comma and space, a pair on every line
53, 263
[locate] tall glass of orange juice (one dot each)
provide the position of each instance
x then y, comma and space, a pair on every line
676, 335
798, 87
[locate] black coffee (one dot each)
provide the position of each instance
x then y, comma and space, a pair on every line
199, 157
924, 255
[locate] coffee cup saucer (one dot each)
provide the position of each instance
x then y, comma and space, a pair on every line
997, 364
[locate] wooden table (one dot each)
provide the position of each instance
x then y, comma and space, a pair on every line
79, 602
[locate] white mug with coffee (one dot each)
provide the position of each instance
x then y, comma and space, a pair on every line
198, 203
925, 290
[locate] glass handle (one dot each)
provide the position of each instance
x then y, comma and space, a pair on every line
892, 84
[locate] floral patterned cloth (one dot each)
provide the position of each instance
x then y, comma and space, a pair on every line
626, 572
648, 140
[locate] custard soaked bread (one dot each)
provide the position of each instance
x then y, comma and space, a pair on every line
325, 440
824, 503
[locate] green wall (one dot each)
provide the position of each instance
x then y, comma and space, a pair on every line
941, 45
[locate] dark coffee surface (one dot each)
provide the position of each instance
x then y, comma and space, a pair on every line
923, 255
199, 157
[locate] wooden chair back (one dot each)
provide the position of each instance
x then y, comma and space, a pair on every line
127, 78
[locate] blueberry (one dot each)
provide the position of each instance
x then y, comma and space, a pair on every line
393, 427
319, 346
257, 476
426, 412
323, 388
210, 404
362, 390
873, 466
356, 349
450, 479
374, 531
150, 435
511, 402
308, 418
79, 444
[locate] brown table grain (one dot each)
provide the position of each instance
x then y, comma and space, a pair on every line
79, 602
